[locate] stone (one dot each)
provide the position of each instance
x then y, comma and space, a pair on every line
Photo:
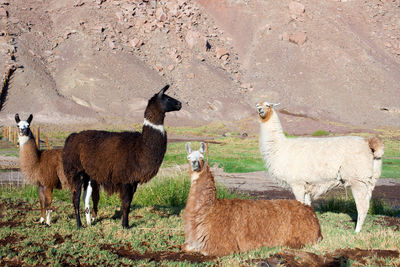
172, 8
298, 38
135, 42
296, 8
111, 44
171, 67
192, 38
159, 67
284, 36
160, 15
119, 16
220, 51
181, 3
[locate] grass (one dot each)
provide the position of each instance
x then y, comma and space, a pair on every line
232, 153
157, 230
320, 133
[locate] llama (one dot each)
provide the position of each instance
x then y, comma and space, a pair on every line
312, 166
43, 169
119, 161
221, 226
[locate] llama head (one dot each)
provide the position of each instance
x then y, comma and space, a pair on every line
265, 110
196, 158
159, 104
23, 126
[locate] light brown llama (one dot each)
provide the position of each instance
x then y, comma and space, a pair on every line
43, 169
221, 226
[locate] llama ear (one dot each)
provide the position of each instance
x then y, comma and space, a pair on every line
202, 147
29, 119
162, 91
17, 119
275, 105
188, 148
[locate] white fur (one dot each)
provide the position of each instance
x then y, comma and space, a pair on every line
194, 176
86, 196
41, 220
48, 216
313, 166
154, 126
23, 139
23, 124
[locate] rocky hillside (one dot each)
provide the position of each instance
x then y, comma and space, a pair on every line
333, 65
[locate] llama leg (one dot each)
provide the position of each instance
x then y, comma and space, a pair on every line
126, 195
76, 195
86, 195
47, 204
42, 200
362, 196
95, 199
307, 199
299, 193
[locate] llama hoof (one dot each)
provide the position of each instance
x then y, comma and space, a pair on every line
186, 248
48, 217
41, 220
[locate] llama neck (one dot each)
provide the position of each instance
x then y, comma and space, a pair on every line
29, 155
271, 134
203, 193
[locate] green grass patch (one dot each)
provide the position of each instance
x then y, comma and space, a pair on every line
342, 205
160, 191
231, 153
320, 133
390, 168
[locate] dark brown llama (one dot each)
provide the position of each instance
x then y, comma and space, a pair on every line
43, 168
119, 161
221, 226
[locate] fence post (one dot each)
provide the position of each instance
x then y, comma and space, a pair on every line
15, 137
9, 133
47, 143
38, 137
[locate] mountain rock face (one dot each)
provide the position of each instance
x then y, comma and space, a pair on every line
333, 65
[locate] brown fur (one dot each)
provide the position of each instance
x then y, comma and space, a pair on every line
43, 169
113, 159
376, 145
119, 161
221, 226
268, 113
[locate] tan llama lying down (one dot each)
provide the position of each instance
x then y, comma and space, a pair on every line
222, 226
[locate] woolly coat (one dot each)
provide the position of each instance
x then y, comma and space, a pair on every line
322, 163
42, 168
114, 159
220, 227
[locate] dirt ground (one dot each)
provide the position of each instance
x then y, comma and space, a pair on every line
339, 257
262, 186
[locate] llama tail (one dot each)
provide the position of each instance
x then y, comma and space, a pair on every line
377, 147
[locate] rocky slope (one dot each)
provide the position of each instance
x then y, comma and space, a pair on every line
333, 65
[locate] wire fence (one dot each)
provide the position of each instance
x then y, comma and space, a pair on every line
10, 175
11, 178
11, 134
